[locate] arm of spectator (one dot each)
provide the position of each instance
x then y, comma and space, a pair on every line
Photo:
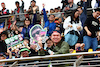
79, 26
9, 52
64, 49
25, 43
22, 4
45, 15
98, 35
30, 8
87, 30
66, 24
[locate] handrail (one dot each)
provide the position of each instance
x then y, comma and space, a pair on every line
47, 14
49, 56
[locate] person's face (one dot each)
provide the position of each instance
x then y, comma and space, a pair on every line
3, 5
33, 3
70, 1
76, 14
51, 18
2, 57
80, 10
17, 5
27, 22
25, 53
51, 11
3, 37
56, 37
96, 14
60, 20
49, 43
26, 41
56, 10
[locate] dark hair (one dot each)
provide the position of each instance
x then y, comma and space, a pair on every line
5, 33
16, 2
28, 20
98, 9
51, 9
33, 0
48, 40
72, 16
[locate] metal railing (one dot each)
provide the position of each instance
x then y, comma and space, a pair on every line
73, 62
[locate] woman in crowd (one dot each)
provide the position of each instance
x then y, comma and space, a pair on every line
27, 26
72, 25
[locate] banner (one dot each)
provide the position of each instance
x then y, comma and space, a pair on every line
14, 42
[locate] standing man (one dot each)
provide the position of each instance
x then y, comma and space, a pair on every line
4, 10
91, 26
34, 10
19, 9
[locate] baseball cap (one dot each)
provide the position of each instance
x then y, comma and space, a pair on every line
24, 49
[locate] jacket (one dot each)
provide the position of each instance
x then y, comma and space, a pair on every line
25, 31
50, 26
21, 17
61, 48
74, 26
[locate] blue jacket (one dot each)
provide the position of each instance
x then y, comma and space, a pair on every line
50, 26
25, 31
83, 16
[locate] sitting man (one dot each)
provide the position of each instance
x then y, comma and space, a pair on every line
59, 47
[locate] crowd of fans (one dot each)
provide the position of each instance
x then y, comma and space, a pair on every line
78, 31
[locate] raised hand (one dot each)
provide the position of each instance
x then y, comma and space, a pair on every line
43, 5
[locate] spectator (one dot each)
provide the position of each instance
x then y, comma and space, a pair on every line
59, 47
18, 10
64, 2
51, 11
49, 24
34, 10
97, 4
4, 10
3, 46
91, 26
83, 16
71, 25
24, 52
71, 6
30, 47
27, 26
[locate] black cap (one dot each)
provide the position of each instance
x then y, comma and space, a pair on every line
98, 9
33, 0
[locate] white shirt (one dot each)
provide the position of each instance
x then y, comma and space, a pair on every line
74, 26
